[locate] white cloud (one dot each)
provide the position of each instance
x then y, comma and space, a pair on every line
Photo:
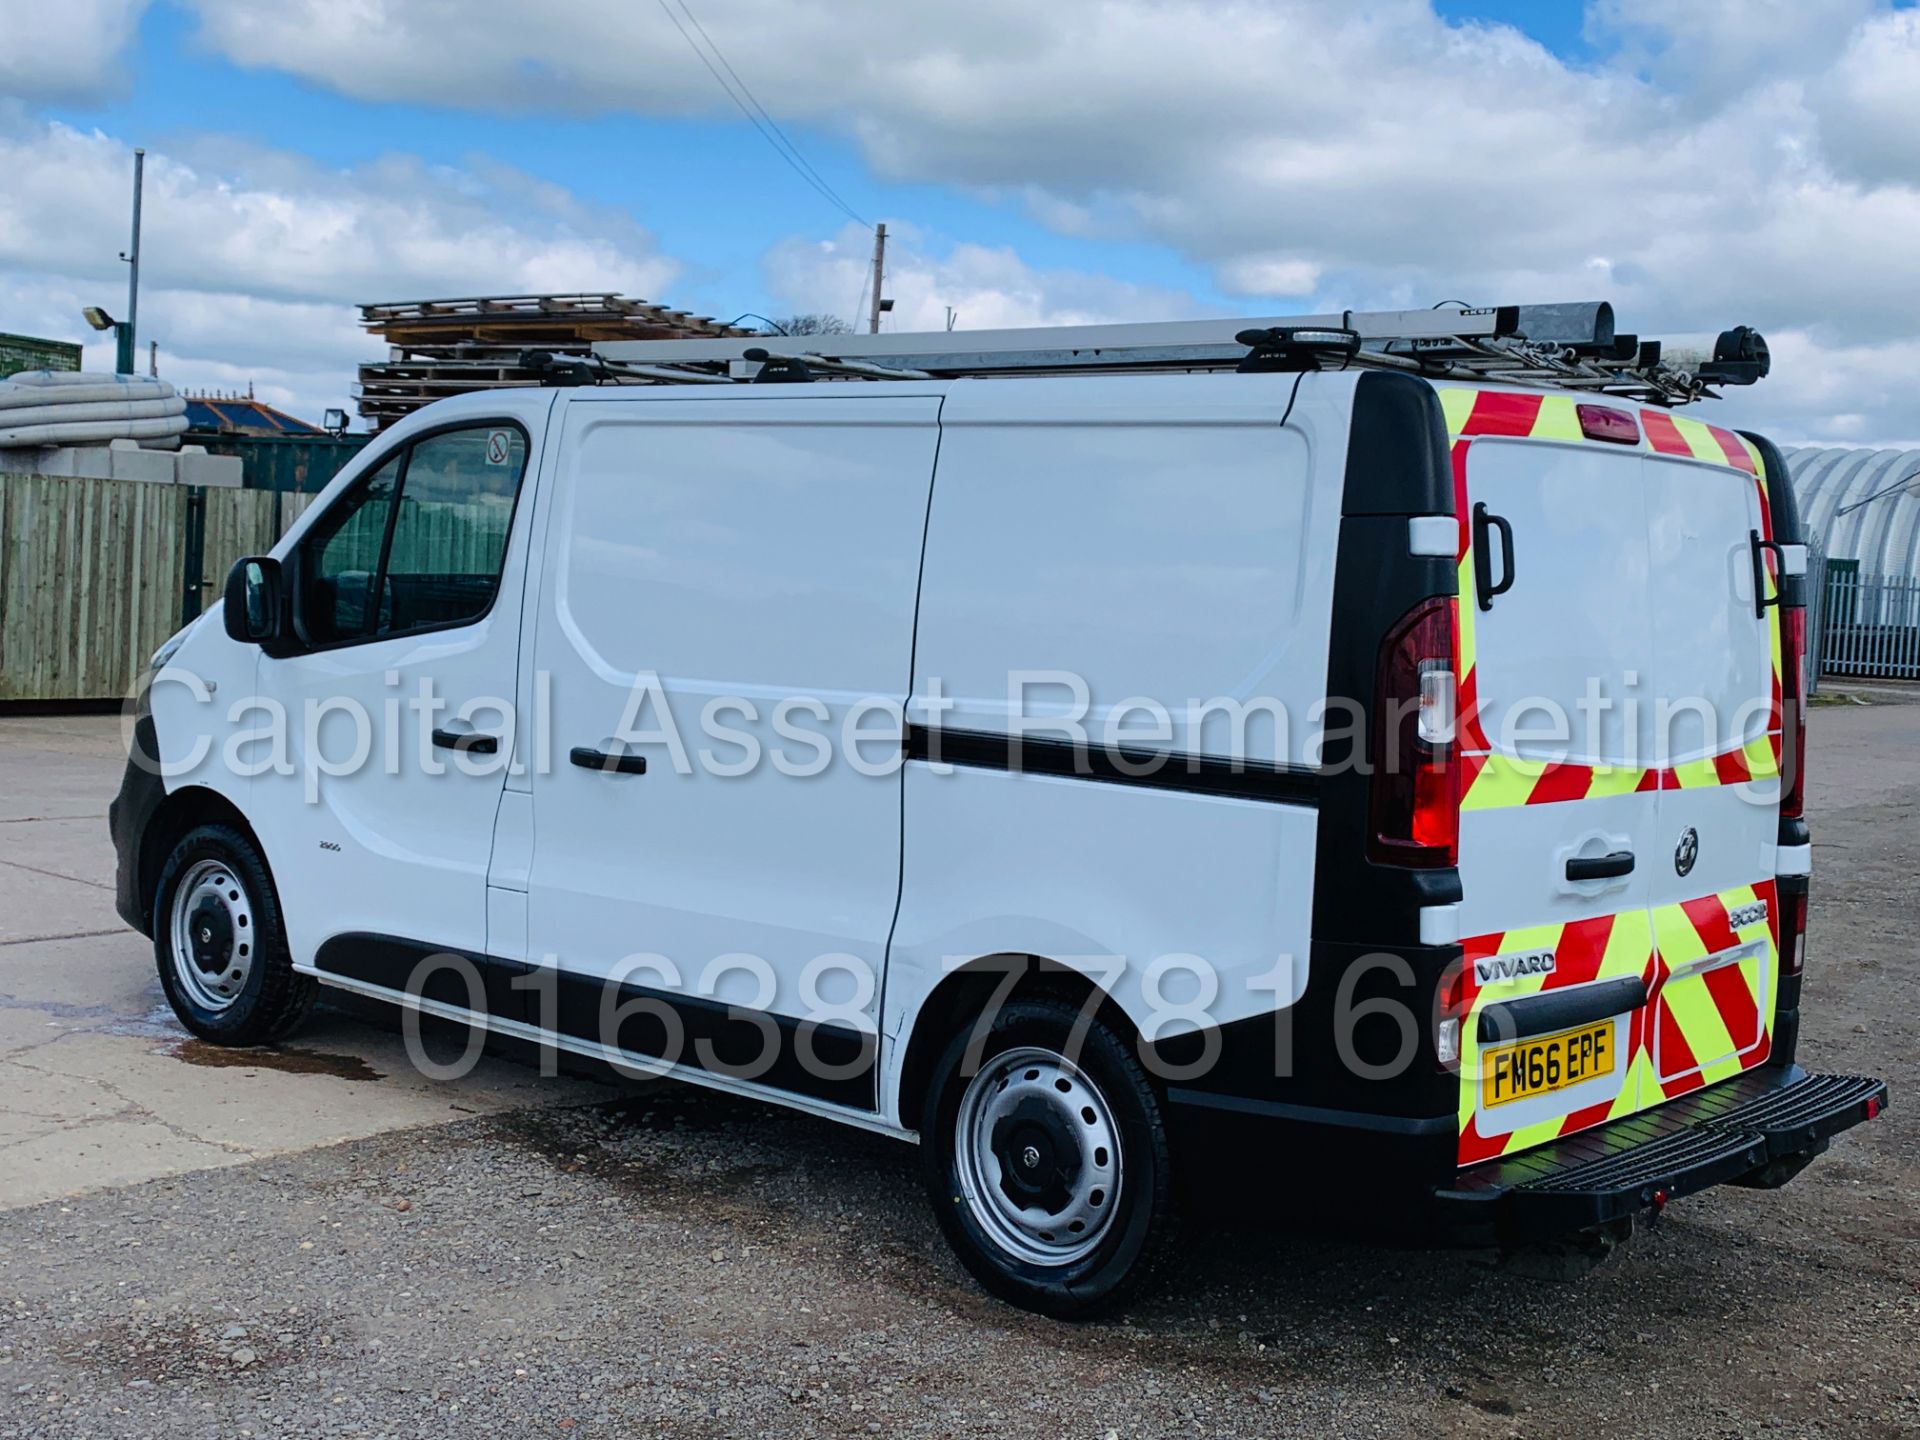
230, 217
1829, 393
64, 49
1869, 102
1721, 161
1706, 52
1373, 146
989, 287
1270, 275
252, 260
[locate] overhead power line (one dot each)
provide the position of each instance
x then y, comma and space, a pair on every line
749, 106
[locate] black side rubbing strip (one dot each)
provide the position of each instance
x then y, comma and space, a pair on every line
1115, 765
1560, 1009
820, 1059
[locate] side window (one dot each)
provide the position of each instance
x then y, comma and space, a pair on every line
456, 504
343, 560
420, 543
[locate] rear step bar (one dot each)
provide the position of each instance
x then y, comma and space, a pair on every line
1764, 1123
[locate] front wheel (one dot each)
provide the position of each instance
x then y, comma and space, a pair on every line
219, 944
1047, 1163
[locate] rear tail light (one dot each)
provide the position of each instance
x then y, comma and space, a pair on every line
1603, 422
1793, 721
1415, 809
1793, 932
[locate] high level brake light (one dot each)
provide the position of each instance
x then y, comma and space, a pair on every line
1415, 809
1603, 422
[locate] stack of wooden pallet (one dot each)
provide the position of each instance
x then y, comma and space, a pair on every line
439, 348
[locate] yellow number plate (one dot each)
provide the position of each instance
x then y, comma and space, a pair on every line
1552, 1062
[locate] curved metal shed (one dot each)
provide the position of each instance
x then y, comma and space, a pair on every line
1862, 505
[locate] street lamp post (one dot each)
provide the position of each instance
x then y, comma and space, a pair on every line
122, 336
125, 331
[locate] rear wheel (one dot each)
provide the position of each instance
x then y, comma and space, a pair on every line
1047, 1164
219, 944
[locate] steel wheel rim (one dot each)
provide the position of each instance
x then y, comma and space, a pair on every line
1056, 1209
211, 935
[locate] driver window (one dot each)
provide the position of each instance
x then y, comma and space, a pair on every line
344, 559
450, 537
419, 545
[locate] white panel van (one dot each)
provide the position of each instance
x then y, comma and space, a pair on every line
1332, 781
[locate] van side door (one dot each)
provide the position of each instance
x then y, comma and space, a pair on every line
726, 632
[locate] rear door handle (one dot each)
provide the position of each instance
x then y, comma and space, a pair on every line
1759, 547
467, 742
1483, 520
1600, 867
588, 758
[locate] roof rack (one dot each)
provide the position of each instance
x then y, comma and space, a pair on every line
1572, 346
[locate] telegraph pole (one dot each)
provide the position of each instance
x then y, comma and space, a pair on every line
879, 269
125, 359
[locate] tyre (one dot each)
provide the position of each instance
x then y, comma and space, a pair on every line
1048, 1165
220, 945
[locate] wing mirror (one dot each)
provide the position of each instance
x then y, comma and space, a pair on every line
255, 600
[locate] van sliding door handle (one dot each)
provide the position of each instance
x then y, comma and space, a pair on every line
1483, 520
588, 758
1600, 867
467, 742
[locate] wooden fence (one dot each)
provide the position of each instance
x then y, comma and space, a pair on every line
94, 574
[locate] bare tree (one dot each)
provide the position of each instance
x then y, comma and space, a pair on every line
815, 324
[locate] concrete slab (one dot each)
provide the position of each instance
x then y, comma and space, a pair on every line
155, 466
69, 847
80, 1156
204, 469
99, 1084
36, 903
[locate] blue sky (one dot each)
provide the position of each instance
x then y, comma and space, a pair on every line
712, 191
1699, 162
722, 177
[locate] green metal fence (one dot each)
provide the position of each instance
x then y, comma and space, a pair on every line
25, 352
299, 464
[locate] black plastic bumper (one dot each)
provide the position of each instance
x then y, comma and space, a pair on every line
129, 814
1762, 1121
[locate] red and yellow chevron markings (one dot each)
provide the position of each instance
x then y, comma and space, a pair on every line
1490, 780
1603, 948
1711, 989
1709, 1010
1712, 993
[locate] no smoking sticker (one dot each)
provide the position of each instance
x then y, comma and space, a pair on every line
499, 446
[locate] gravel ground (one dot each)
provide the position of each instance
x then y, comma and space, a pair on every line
679, 1263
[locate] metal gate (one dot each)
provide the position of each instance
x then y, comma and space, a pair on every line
1861, 626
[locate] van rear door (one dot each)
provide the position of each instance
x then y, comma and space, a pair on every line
1716, 671
1559, 815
